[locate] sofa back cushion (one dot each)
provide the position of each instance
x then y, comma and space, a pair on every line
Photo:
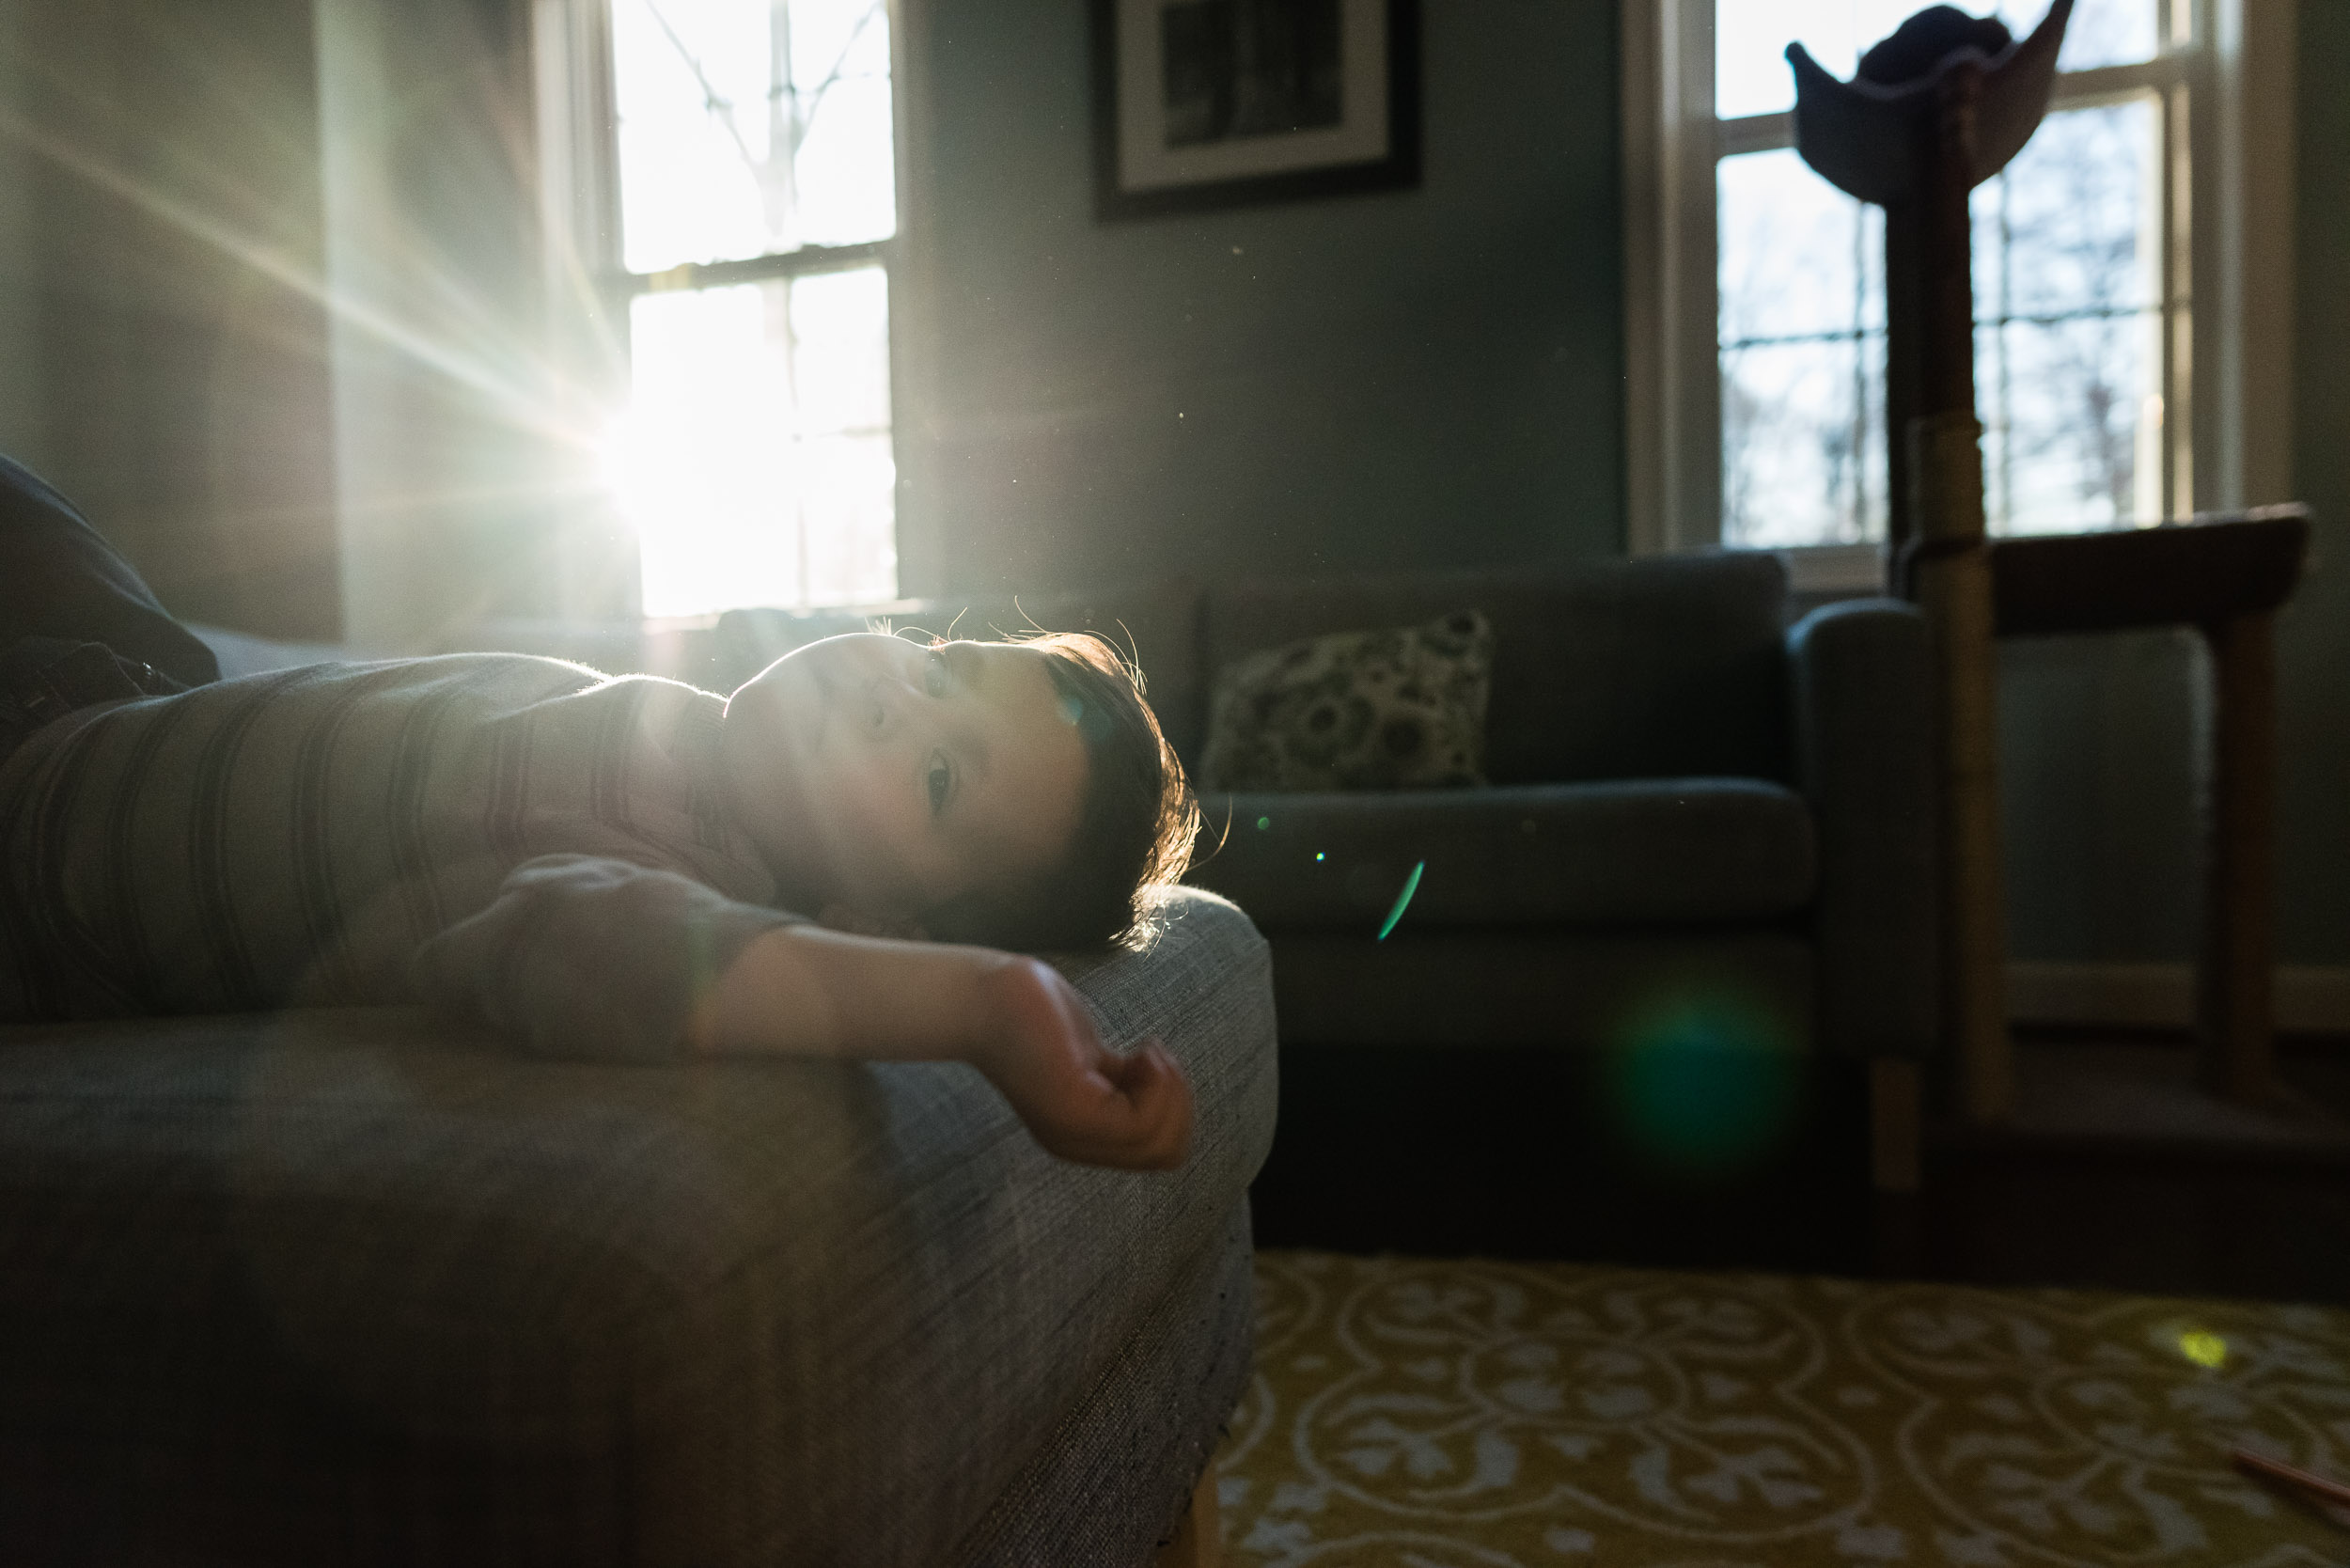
1401, 708
1155, 623
1662, 668
1618, 852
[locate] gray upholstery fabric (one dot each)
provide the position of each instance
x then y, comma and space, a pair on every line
1638, 851
1864, 747
342, 1288
1537, 987
1113, 1481
1662, 668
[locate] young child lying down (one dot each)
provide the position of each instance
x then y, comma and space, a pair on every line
844, 858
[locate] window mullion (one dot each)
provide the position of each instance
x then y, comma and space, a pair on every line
2099, 85
807, 259
2181, 412
1693, 488
1753, 133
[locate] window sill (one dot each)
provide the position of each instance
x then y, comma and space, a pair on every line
1823, 572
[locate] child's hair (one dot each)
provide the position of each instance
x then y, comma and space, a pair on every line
1135, 829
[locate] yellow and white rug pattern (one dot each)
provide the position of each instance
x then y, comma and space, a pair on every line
1422, 1414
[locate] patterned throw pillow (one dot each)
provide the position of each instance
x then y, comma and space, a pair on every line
1401, 709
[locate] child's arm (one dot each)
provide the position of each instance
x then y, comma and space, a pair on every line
806, 991
585, 957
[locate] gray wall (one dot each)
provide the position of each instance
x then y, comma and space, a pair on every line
2315, 826
442, 432
1422, 378
175, 282
163, 343
23, 426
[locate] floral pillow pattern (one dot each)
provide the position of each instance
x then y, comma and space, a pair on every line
1393, 710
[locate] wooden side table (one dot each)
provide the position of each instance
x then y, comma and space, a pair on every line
2226, 576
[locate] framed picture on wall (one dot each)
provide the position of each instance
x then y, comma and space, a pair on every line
1206, 103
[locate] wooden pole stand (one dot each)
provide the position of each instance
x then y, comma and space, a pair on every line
1952, 580
1933, 111
2233, 981
1199, 1538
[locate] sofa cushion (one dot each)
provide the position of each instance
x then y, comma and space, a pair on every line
1399, 709
1546, 988
1661, 667
337, 1286
1673, 849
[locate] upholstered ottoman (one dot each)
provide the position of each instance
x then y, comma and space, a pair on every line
346, 1287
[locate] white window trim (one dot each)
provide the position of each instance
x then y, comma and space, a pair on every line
2228, 113
586, 320
586, 369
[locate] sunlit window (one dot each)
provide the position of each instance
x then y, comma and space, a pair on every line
2071, 302
756, 192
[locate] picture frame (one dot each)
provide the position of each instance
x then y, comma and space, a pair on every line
1199, 104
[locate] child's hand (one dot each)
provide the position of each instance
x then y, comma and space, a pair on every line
1082, 1100
801, 990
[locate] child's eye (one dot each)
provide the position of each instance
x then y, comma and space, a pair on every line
941, 781
934, 675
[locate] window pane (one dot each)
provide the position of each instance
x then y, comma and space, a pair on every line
1797, 256
1802, 333
755, 457
2102, 32
2065, 226
840, 322
2066, 281
2066, 419
2067, 362
1803, 450
1750, 39
748, 127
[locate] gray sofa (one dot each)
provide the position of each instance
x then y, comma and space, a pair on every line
1696, 805
346, 1287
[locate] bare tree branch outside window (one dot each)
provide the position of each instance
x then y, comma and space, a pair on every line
2067, 304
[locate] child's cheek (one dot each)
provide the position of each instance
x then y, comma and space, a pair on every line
863, 805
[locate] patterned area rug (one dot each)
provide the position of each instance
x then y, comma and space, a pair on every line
1413, 1414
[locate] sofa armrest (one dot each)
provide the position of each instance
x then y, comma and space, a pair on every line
1863, 749
264, 1276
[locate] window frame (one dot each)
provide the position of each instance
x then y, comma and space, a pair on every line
590, 290
2223, 96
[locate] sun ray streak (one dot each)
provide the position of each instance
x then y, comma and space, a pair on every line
523, 404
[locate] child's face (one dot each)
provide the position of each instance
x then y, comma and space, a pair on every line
881, 779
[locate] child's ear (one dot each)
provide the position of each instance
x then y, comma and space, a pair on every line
840, 916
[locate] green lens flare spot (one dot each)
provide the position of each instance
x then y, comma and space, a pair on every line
1703, 1078
2206, 1349
1319, 855
1403, 899
1263, 823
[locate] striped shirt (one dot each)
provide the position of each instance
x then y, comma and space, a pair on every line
294, 838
